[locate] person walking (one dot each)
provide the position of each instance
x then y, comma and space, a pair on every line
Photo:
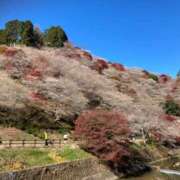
46, 138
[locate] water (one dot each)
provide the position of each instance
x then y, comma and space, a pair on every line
166, 170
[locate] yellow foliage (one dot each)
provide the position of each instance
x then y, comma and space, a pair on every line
2, 49
14, 165
53, 154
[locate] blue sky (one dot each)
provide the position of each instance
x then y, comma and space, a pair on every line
136, 33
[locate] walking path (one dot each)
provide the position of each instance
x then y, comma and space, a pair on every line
53, 143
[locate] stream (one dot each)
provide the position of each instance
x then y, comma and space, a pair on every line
166, 170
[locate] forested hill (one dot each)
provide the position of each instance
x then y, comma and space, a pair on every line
58, 85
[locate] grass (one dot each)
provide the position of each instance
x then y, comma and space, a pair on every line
17, 159
73, 154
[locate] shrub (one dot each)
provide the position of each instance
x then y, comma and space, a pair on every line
3, 49
150, 75
104, 134
154, 77
10, 52
36, 69
94, 100
86, 55
35, 131
100, 65
171, 108
163, 78
64, 128
168, 117
155, 136
118, 67
37, 96
8, 66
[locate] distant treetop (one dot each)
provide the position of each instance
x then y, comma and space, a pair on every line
178, 74
55, 36
24, 32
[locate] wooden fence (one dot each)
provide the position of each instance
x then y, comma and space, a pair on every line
31, 143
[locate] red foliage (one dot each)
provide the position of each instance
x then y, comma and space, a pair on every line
163, 78
8, 66
37, 68
176, 85
86, 55
105, 134
155, 135
168, 117
73, 55
40, 62
177, 139
100, 65
36, 96
33, 74
174, 88
118, 67
10, 52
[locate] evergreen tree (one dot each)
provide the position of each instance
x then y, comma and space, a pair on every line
38, 37
3, 36
13, 29
23, 32
28, 34
178, 74
55, 37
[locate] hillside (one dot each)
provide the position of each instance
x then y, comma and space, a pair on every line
50, 87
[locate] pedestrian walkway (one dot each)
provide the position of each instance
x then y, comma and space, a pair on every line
30, 143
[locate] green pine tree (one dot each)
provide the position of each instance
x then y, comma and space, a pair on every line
28, 34
55, 37
38, 37
3, 39
13, 29
178, 74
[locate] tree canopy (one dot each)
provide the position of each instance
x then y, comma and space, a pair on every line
28, 34
2, 36
55, 36
24, 32
13, 30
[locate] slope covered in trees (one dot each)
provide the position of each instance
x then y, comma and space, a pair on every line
106, 104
